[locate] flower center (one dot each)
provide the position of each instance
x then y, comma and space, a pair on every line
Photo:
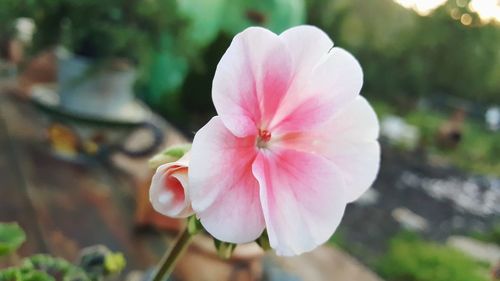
263, 138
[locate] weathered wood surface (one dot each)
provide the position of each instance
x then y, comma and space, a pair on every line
65, 206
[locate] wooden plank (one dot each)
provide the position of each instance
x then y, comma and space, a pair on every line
15, 204
76, 205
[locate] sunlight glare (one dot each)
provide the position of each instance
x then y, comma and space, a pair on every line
488, 10
422, 7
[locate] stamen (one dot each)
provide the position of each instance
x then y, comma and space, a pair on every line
264, 135
263, 138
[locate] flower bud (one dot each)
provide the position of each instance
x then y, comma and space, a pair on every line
169, 188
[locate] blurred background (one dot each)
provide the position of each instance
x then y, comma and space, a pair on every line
90, 89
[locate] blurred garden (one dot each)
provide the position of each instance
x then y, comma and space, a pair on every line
431, 71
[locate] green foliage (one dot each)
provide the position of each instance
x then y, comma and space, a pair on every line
11, 238
57, 268
406, 56
338, 239
478, 149
16, 274
9, 11
44, 268
412, 259
204, 22
102, 29
96, 263
491, 236
277, 15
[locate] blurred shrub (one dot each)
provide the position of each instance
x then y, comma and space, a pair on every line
412, 259
96, 263
179, 81
406, 56
101, 29
477, 151
11, 238
492, 236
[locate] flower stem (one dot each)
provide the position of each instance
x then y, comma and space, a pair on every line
168, 261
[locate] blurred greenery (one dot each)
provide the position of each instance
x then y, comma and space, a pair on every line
491, 236
477, 151
101, 29
406, 56
11, 238
412, 259
177, 44
96, 263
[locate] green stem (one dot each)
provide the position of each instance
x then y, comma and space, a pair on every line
168, 261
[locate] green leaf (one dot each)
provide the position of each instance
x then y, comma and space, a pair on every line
204, 19
194, 225
170, 154
263, 241
11, 238
224, 249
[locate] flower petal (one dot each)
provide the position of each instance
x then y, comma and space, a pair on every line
334, 81
352, 145
349, 140
307, 45
302, 199
223, 191
168, 192
251, 79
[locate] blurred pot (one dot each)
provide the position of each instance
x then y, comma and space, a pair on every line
201, 262
92, 90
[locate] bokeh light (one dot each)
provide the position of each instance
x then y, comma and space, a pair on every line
422, 7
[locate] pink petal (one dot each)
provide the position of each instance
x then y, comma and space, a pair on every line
352, 145
224, 193
307, 46
168, 192
302, 199
250, 81
335, 80
349, 140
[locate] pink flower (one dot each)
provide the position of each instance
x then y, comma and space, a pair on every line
292, 144
168, 192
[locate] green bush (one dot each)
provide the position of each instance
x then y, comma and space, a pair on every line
491, 236
477, 152
11, 238
412, 259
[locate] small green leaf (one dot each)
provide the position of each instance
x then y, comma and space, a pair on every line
224, 249
263, 241
194, 225
12, 237
170, 154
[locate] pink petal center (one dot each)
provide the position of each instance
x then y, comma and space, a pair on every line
173, 187
263, 138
